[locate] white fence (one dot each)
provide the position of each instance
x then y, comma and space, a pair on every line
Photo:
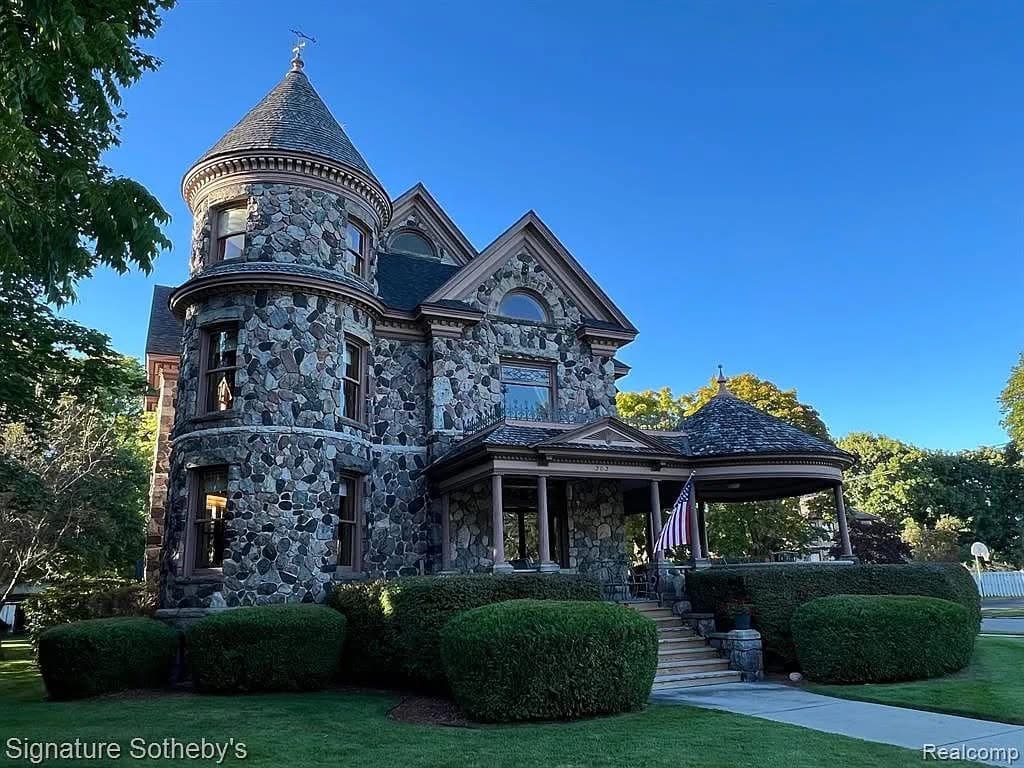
1000, 583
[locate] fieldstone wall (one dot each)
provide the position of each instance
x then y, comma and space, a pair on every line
597, 529
285, 224
168, 382
466, 375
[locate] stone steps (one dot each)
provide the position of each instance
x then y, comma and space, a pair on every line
684, 658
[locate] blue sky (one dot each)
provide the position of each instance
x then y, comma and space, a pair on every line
826, 194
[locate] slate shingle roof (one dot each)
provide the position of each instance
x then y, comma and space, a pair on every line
728, 426
291, 117
164, 335
405, 281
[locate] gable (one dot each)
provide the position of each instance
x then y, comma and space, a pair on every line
530, 238
416, 210
608, 432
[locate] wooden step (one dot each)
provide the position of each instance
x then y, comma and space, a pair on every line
692, 665
693, 679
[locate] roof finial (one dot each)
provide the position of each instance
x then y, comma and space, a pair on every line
723, 383
300, 43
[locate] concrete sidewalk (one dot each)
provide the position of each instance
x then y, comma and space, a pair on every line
909, 728
1002, 626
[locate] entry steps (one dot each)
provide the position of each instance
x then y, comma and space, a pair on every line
684, 659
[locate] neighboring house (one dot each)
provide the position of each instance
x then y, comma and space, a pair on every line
818, 551
346, 387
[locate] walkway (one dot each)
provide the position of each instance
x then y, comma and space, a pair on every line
1002, 626
909, 728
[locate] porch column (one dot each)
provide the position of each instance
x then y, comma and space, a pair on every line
695, 548
657, 558
702, 521
844, 530
498, 527
543, 532
446, 534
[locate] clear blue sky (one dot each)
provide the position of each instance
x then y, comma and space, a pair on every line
828, 195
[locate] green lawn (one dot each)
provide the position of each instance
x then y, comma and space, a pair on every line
343, 728
991, 688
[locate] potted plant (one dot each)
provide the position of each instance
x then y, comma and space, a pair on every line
739, 613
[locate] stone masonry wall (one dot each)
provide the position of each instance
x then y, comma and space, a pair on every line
168, 378
466, 371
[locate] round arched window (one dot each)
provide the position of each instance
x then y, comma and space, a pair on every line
522, 306
411, 243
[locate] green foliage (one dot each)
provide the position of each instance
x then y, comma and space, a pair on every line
73, 494
882, 638
652, 409
549, 659
777, 591
1011, 402
888, 477
418, 607
370, 657
62, 211
873, 541
758, 529
71, 600
266, 648
939, 543
88, 658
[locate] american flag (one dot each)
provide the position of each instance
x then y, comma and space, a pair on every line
677, 530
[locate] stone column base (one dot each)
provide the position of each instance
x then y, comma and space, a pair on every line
503, 568
549, 568
743, 649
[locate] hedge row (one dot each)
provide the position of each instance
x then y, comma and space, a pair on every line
97, 656
882, 638
549, 659
267, 648
85, 598
395, 626
777, 591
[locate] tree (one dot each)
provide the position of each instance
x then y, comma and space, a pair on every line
939, 543
651, 409
874, 541
1011, 402
62, 211
72, 496
889, 477
758, 529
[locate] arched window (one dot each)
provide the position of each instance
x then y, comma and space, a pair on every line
522, 306
411, 243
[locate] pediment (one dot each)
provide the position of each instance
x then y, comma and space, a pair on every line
606, 433
530, 236
417, 210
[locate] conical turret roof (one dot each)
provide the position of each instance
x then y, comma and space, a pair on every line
291, 117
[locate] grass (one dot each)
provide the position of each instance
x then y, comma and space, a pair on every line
990, 688
1002, 613
342, 728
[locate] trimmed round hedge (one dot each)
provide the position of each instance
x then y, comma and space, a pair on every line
87, 658
548, 659
882, 638
266, 648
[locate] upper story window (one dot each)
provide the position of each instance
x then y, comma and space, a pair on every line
209, 516
230, 232
411, 243
528, 390
218, 365
522, 306
357, 241
352, 378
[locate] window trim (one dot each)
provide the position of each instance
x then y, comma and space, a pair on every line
362, 255
193, 489
216, 251
361, 381
355, 499
202, 396
521, 363
536, 297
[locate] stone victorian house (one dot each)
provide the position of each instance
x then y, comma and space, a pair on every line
346, 387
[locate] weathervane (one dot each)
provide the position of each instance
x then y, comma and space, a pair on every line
300, 42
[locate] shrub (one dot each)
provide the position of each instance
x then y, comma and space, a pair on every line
882, 638
420, 606
266, 648
87, 658
369, 657
85, 598
549, 659
777, 591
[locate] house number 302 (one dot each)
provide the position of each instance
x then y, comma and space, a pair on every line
600, 467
